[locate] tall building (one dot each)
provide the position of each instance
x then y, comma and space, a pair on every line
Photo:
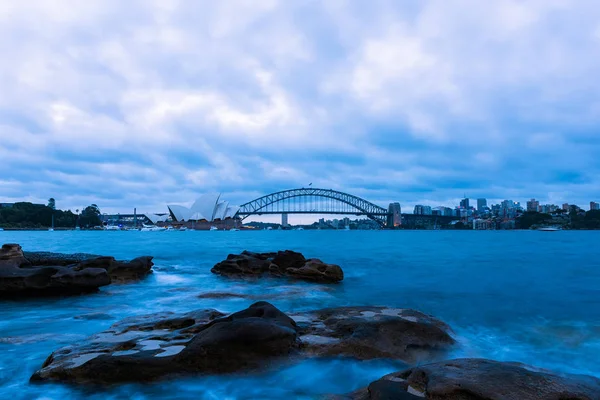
464, 203
481, 205
594, 206
548, 208
533, 205
422, 210
284, 220
395, 215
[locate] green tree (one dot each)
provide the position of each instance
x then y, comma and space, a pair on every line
90, 216
52, 203
533, 218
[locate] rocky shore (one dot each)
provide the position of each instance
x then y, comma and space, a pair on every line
41, 274
478, 379
261, 337
288, 264
206, 341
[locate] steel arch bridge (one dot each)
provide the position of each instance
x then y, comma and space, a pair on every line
313, 201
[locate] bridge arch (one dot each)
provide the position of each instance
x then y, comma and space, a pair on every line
313, 201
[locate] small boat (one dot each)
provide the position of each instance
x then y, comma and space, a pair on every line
152, 228
299, 228
1, 229
234, 229
183, 228
549, 229
112, 228
170, 228
214, 228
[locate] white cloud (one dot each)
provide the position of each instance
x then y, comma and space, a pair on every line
245, 95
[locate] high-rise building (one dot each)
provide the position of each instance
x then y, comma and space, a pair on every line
464, 203
548, 208
533, 205
395, 215
284, 220
481, 205
594, 206
422, 210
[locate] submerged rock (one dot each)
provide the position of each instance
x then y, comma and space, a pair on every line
281, 264
32, 274
373, 332
479, 379
154, 346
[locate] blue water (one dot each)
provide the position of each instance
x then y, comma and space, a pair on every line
532, 297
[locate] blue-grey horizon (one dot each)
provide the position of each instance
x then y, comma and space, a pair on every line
143, 104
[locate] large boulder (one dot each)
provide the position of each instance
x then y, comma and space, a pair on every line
119, 271
19, 277
479, 379
154, 346
41, 273
373, 332
280, 264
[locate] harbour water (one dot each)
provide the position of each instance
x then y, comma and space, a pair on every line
526, 296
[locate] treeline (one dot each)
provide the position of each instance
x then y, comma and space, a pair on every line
27, 215
591, 220
575, 220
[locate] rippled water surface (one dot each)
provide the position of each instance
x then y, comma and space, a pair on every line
523, 296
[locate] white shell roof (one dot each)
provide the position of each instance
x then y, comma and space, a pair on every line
207, 207
231, 211
220, 210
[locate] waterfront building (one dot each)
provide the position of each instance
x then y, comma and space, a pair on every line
395, 215
422, 210
206, 208
565, 207
464, 203
533, 205
481, 205
482, 224
594, 206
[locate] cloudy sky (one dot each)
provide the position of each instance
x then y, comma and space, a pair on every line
143, 103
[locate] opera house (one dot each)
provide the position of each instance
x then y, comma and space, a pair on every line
207, 209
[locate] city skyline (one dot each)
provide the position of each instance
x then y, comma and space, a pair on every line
146, 104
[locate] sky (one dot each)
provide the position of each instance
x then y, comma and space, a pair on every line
147, 103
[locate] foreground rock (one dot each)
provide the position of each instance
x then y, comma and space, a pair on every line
478, 379
280, 264
38, 274
154, 346
373, 332
159, 345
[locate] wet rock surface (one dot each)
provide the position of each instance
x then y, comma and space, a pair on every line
158, 345
44, 258
38, 274
206, 341
373, 332
286, 263
479, 379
